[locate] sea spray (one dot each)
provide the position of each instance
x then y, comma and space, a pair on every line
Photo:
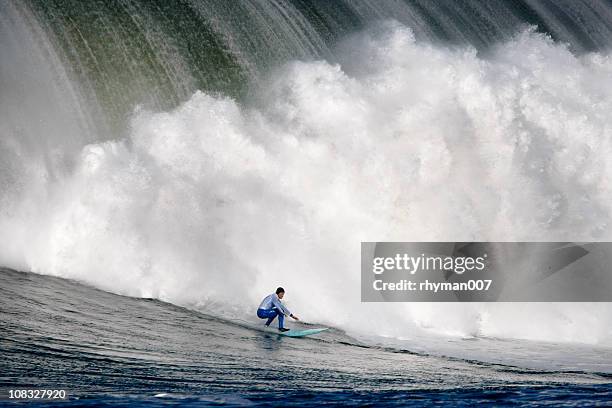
217, 202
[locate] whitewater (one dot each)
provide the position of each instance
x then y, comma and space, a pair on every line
214, 203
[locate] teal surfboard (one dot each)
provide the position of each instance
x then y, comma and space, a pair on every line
301, 333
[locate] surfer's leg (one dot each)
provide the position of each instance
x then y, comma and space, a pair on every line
271, 316
281, 320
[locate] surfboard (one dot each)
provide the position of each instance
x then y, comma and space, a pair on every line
300, 333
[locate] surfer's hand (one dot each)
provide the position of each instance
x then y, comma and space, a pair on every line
294, 317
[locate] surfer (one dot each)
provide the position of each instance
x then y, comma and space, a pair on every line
271, 307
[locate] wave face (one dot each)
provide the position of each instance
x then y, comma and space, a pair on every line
206, 152
156, 53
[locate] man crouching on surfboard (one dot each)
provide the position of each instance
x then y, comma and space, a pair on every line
271, 306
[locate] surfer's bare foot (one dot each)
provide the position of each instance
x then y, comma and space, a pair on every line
282, 329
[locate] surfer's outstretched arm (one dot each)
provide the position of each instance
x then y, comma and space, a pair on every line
283, 309
279, 305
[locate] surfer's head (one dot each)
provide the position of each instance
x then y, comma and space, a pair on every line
280, 292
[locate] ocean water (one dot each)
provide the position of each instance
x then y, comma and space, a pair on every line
111, 350
165, 165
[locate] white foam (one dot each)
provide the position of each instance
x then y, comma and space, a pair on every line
216, 203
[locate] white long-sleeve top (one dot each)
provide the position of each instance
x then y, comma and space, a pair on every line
272, 301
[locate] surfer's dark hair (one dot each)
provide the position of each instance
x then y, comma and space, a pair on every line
280, 290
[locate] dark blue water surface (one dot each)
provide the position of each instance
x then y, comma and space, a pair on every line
110, 350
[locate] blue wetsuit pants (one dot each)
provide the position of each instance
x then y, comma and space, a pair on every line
271, 314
